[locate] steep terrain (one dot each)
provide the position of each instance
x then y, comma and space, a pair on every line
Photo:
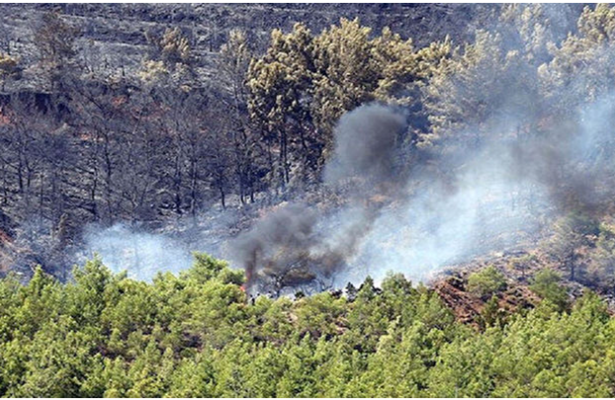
112, 42
141, 132
113, 35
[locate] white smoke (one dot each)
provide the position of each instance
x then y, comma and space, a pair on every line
496, 200
487, 210
468, 202
142, 255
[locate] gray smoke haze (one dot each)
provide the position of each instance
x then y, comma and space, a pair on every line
387, 224
297, 244
472, 198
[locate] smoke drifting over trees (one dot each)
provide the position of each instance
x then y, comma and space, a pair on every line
296, 244
490, 184
362, 151
141, 254
318, 174
365, 144
487, 197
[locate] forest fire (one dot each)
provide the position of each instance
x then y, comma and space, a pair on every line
486, 198
300, 245
307, 200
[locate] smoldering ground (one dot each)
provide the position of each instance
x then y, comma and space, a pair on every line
480, 198
472, 197
141, 254
297, 244
492, 197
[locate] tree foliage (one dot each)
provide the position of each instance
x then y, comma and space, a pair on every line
486, 282
200, 335
546, 284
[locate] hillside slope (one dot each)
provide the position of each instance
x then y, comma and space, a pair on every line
115, 33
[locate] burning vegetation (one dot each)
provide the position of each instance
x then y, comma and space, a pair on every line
331, 156
297, 245
429, 217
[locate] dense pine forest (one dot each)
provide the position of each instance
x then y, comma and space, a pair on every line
199, 335
382, 200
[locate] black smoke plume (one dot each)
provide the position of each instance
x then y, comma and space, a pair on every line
488, 184
278, 242
297, 244
365, 144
